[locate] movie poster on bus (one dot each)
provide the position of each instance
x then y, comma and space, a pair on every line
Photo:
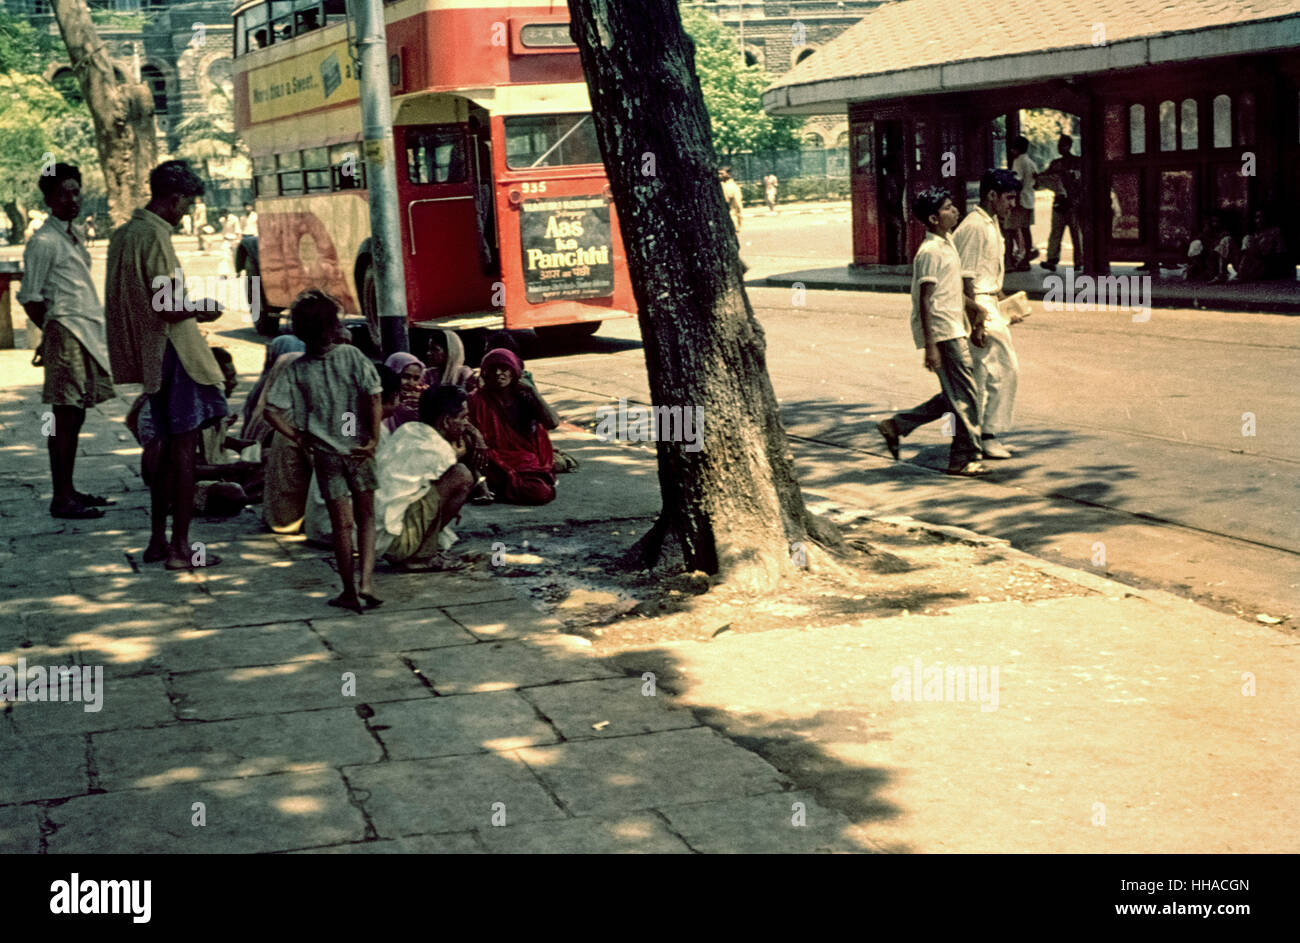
567, 249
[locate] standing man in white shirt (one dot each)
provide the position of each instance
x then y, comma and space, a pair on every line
59, 297
980, 244
1022, 216
940, 326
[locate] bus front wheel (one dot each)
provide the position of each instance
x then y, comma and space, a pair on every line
370, 306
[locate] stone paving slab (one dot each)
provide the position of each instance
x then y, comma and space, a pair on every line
382, 631
617, 704
244, 816
632, 832
199, 649
133, 759
600, 777
410, 591
20, 829
124, 702
448, 726
766, 825
297, 686
450, 794
235, 608
499, 666
502, 620
448, 843
43, 768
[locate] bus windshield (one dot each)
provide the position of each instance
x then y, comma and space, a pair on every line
550, 141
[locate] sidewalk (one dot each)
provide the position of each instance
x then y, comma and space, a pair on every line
460, 718
1259, 297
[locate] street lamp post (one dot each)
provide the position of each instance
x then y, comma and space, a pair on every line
381, 177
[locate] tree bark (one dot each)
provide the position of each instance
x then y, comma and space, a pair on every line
732, 508
17, 222
122, 112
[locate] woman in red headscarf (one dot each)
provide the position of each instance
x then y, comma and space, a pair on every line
513, 418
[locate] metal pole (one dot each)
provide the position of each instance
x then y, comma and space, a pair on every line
381, 177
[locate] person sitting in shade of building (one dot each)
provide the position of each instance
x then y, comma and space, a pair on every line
1263, 252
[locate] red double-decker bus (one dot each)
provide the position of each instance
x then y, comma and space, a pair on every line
506, 214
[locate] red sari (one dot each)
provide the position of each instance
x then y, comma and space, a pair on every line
519, 468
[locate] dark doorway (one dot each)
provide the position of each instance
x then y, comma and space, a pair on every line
891, 184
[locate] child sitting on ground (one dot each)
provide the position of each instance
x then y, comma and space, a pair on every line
328, 402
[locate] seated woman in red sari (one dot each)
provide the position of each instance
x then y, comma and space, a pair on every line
513, 419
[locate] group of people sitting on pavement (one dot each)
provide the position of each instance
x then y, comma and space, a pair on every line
391, 452
1260, 255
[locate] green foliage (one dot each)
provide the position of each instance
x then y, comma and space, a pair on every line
208, 137
35, 119
1042, 127
114, 20
798, 190
21, 44
733, 91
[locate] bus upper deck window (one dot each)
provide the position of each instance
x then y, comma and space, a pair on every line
306, 16
551, 141
253, 24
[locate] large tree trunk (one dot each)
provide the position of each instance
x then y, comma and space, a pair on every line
122, 112
733, 507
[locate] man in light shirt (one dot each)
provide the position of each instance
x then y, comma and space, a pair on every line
940, 327
423, 483
58, 294
154, 339
980, 244
1022, 216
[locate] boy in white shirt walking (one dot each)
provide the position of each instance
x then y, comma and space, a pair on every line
940, 327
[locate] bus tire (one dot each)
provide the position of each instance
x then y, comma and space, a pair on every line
370, 305
561, 334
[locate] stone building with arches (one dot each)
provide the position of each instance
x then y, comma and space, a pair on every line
183, 52
780, 34
1185, 112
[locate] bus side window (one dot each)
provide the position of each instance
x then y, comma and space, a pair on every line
347, 167
265, 181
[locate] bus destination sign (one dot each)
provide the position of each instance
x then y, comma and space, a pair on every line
567, 249
545, 35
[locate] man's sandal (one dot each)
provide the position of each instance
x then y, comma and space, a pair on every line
76, 511
93, 500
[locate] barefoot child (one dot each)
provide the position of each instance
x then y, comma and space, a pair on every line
328, 402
